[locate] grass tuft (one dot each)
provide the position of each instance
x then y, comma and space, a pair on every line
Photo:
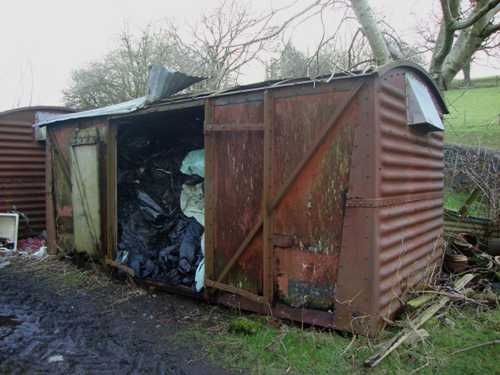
244, 326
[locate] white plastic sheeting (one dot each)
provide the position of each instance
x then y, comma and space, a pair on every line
193, 204
194, 163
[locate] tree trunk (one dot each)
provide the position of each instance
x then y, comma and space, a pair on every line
445, 66
366, 18
468, 42
466, 71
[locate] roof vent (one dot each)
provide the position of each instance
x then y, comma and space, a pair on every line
422, 113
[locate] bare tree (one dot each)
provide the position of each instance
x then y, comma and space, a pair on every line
122, 74
216, 46
231, 36
291, 63
466, 27
463, 31
26, 85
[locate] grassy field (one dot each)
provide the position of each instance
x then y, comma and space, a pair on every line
474, 117
456, 200
292, 350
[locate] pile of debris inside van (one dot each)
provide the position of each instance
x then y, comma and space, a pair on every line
161, 210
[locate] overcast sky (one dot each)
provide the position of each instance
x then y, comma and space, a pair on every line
43, 41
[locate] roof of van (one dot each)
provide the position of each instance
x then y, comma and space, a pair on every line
141, 103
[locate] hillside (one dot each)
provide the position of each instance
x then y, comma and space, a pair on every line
474, 117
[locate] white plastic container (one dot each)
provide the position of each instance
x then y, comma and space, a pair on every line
9, 226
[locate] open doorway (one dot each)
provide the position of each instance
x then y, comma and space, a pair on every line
160, 196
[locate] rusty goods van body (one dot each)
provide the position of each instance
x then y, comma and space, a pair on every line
323, 198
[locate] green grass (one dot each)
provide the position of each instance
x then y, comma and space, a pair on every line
291, 350
455, 201
474, 117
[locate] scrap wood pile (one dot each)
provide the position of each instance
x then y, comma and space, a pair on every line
472, 276
467, 253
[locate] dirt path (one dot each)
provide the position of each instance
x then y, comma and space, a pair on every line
54, 319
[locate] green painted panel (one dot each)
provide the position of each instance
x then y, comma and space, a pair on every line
85, 197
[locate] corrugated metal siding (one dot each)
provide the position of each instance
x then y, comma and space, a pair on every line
22, 171
22, 167
411, 173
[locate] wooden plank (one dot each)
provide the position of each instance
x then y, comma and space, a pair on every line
267, 215
231, 289
129, 271
234, 127
112, 196
50, 210
240, 250
416, 323
210, 194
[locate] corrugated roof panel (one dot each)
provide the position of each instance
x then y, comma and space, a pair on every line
116, 109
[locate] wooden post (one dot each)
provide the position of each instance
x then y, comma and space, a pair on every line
111, 192
210, 193
49, 198
267, 212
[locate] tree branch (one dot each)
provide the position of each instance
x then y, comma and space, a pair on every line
475, 15
490, 30
365, 16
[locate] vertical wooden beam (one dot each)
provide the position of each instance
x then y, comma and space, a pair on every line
111, 192
267, 214
210, 192
49, 198
102, 152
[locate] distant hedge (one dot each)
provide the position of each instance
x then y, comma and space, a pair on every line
492, 81
484, 161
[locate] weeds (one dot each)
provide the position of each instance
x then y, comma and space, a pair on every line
291, 350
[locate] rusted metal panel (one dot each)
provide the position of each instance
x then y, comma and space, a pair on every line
394, 221
22, 167
411, 165
355, 276
313, 138
301, 164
